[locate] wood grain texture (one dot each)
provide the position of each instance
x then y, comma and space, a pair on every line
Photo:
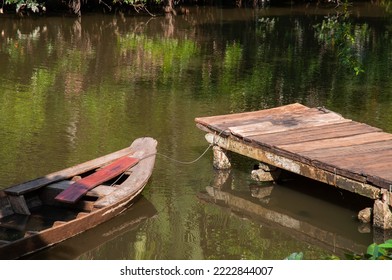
75, 191
313, 136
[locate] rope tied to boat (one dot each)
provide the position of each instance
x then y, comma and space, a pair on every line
214, 142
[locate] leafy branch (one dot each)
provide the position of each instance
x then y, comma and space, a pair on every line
22, 5
374, 251
338, 33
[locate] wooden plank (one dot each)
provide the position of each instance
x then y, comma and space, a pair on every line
316, 139
322, 175
286, 122
81, 187
101, 191
4, 242
140, 174
353, 152
82, 214
340, 142
305, 134
58, 223
372, 154
66, 173
353, 162
309, 161
222, 122
30, 233
98, 191
16, 222
222, 119
19, 205
5, 207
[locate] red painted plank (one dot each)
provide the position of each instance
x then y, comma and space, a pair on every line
81, 187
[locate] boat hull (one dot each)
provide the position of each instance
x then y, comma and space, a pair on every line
104, 208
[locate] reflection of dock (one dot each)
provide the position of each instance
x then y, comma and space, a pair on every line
100, 235
260, 204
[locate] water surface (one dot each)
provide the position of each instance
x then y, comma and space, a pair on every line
74, 89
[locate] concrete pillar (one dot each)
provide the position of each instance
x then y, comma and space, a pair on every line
382, 215
221, 159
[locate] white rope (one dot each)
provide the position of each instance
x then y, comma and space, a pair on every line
195, 160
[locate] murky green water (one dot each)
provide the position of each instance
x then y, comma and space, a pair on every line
71, 90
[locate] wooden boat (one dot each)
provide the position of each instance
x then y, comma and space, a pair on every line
115, 237
50, 209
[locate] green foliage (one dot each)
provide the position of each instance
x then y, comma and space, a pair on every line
337, 32
295, 256
138, 2
375, 251
233, 56
31, 5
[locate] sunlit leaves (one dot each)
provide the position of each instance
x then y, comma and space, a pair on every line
31, 5
295, 256
374, 251
380, 251
339, 34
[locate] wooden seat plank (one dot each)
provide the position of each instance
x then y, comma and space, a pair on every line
81, 187
98, 191
66, 173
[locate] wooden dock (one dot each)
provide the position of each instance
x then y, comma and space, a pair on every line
312, 142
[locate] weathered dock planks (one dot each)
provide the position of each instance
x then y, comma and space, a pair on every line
313, 142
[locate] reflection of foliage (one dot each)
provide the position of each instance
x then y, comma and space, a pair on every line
233, 56
337, 32
386, 4
150, 56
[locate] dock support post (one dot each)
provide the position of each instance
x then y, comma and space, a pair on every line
221, 160
382, 212
266, 173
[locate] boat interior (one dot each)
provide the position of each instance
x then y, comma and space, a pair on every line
37, 210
